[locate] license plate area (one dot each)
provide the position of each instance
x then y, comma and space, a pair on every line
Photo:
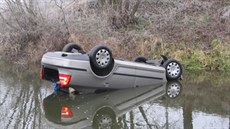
51, 74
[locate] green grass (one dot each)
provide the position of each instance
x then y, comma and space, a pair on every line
216, 57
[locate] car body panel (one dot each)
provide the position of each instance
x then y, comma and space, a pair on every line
124, 73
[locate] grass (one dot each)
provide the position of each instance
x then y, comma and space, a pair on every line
173, 28
194, 57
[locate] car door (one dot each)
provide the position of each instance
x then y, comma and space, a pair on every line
123, 77
148, 76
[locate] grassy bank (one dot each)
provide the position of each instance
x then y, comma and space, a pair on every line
197, 57
196, 32
213, 56
128, 44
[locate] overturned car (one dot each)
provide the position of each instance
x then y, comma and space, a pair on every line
97, 68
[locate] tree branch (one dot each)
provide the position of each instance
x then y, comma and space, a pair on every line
6, 22
134, 9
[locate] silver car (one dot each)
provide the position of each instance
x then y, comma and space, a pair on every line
74, 68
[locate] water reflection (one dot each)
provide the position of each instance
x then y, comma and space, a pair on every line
109, 109
202, 101
21, 98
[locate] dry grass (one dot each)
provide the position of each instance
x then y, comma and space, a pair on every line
155, 29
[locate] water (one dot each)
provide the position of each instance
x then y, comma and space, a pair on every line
200, 101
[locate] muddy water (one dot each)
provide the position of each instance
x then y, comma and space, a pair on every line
201, 100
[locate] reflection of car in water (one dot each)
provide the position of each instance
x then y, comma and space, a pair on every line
101, 110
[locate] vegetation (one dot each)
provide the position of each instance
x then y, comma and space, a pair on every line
216, 57
193, 31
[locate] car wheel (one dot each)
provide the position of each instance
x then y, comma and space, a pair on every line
173, 69
140, 59
101, 57
73, 48
174, 89
105, 118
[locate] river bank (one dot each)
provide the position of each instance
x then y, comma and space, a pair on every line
212, 57
193, 32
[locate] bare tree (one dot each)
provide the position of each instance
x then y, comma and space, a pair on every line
21, 14
121, 11
29, 31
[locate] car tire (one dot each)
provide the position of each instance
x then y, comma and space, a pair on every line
101, 57
174, 89
140, 59
104, 118
73, 48
173, 69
